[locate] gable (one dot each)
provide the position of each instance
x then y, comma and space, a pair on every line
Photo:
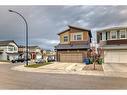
73, 29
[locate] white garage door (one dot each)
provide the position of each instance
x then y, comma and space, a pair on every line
115, 56
71, 57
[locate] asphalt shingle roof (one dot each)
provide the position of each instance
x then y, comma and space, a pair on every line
88, 30
5, 43
68, 46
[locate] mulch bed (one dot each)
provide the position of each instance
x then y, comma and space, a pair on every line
98, 67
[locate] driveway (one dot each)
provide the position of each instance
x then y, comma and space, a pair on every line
61, 68
116, 69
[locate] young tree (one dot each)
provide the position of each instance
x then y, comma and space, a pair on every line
94, 57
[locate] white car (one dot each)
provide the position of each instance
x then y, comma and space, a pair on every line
40, 60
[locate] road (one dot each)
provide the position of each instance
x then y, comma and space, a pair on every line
10, 79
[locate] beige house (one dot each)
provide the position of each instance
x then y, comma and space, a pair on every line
73, 46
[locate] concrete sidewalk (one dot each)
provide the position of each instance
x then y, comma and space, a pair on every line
69, 68
60, 68
5, 63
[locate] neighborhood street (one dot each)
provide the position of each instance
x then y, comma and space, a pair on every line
11, 79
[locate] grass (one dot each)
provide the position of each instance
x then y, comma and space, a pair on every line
4, 61
38, 65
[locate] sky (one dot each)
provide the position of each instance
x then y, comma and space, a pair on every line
45, 22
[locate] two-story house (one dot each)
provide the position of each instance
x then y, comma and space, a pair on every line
8, 50
49, 54
113, 43
34, 51
73, 46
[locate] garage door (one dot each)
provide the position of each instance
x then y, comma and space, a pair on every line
74, 57
115, 56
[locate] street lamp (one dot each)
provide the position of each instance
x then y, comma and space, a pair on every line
26, 33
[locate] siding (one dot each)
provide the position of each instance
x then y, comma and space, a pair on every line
62, 38
86, 38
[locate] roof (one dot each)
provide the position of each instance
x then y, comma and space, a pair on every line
14, 53
115, 47
5, 43
112, 28
75, 27
68, 46
21, 46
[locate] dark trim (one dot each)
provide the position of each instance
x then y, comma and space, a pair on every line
75, 27
63, 31
116, 42
70, 49
86, 30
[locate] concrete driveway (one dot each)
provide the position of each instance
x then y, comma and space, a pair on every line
56, 67
115, 69
60, 68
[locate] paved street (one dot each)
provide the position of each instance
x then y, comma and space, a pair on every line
10, 79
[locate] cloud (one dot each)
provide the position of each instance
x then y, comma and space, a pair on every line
45, 22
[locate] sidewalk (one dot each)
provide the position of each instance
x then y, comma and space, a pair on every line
69, 68
60, 68
4, 63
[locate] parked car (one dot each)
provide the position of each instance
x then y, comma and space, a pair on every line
19, 60
40, 60
50, 59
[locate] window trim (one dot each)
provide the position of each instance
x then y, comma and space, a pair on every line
80, 37
64, 38
108, 35
111, 34
120, 33
75, 36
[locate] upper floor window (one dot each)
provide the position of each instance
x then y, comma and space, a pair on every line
15, 49
122, 34
113, 34
77, 37
10, 48
108, 35
65, 38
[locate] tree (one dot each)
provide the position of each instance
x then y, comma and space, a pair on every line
94, 57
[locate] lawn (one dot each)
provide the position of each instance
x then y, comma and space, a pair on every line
38, 65
4, 61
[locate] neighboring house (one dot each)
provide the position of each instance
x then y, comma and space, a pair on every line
8, 50
113, 44
34, 51
49, 54
73, 46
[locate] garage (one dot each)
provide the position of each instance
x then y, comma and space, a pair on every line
115, 56
71, 57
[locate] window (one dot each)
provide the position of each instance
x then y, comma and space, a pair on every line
15, 48
10, 48
122, 34
103, 36
113, 34
108, 35
65, 38
77, 37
